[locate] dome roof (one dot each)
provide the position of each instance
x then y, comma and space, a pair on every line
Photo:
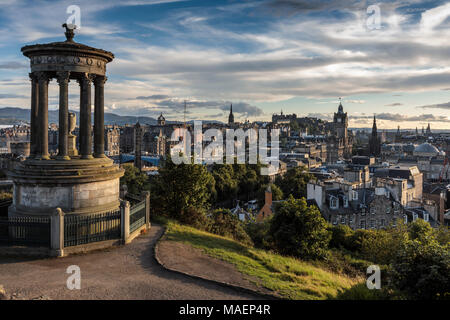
426, 148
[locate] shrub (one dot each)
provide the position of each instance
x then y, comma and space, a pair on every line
222, 222
194, 217
299, 230
259, 233
356, 239
340, 236
421, 270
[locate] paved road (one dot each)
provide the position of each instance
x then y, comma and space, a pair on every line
128, 272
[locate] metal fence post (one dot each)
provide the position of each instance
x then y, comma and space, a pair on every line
125, 220
146, 198
57, 233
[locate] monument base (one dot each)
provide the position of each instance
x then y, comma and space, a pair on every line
76, 186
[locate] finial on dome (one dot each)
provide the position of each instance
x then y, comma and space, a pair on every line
69, 31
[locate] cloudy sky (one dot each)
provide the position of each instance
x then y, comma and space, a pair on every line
263, 56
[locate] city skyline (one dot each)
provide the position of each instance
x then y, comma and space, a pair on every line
262, 56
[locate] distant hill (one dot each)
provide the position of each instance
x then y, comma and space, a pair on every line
18, 115
10, 116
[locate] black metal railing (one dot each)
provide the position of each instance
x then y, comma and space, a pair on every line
137, 216
133, 199
83, 229
25, 231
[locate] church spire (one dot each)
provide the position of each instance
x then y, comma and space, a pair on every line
231, 116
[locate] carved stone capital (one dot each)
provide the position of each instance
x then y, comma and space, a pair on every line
62, 77
42, 76
100, 80
86, 79
32, 76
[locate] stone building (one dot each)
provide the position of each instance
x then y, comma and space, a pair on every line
283, 118
363, 208
127, 139
112, 141
155, 144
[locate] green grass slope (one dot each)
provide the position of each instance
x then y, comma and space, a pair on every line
288, 277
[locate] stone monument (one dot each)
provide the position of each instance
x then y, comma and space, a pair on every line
77, 181
72, 139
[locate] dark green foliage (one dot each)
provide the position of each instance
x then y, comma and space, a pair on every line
194, 217
299, 230
226, 182
224, 223
340, 236
181, 187
135, 180
259, 233
422, 270
294, 182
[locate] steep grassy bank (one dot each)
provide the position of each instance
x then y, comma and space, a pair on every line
290, 278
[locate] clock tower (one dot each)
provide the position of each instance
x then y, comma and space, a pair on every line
340, 123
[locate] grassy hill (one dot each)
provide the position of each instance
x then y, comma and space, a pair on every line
288, 277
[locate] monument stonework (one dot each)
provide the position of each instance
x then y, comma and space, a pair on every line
82, 181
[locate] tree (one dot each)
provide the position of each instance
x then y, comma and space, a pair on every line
299, 230
226, 183
294, 182
182, 186
421, 270
420, 230
135, 180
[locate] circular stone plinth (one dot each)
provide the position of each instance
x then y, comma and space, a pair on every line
79, 186
59, 172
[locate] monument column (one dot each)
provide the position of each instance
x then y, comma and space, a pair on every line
42, 132
63, 81
99, 124
34, 114
85, 116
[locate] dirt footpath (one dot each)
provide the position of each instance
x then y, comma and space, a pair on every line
126, 272
187, 259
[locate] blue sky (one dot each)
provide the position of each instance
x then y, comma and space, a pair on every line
263, 56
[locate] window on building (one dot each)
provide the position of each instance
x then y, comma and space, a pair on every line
405, 217
372, 223
343, 220
426, 217
388, 209
362, 224
334, 203
354, 195
382, 222
372, 210
415, 216
345, 202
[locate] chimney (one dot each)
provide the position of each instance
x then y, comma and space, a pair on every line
268, 198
